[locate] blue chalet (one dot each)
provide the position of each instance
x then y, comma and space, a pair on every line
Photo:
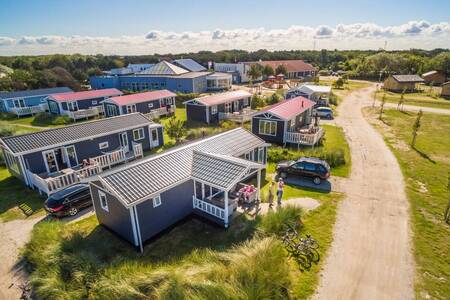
80, 105
164, 75
53, 159
139, 200
288, 122
153, 104
28, 102
234, 105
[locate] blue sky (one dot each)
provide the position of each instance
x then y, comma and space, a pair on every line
134, 18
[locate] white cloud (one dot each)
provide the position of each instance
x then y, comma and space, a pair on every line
414, 34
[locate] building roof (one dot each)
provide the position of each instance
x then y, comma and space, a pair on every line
288, 109
31, 142
33, 93
141, 97
163, 68
217, 75
140, 181
139, 67
222, 97
408, 78
311, 88
291, 65
189, 64
92, 94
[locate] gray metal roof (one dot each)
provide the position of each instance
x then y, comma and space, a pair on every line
137, 181
408, 78
189, 64
32, 93
64, 135
163, 68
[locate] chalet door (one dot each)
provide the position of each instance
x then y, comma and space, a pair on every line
154, 141
123, 138
73, 106
236, 106
50, 161
111, 110
227, 107
71, 156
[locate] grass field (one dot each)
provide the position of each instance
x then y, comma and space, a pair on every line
426, 171
194, 260
416, 99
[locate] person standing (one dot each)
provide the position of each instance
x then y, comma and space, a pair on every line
280, 191
271, 193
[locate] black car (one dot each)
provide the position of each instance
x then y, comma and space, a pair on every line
69, 201
306, 166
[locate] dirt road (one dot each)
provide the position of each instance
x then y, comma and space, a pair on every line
370, 257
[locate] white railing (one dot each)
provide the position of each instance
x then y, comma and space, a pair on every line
208, 208
109, 159
161, 111
84, 113
242, 116
137, 150
30, 110
53, 184
308, 139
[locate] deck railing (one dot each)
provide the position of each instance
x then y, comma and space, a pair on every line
85, 113
51, 185
243, 116
110, 159
158, 112
137, 150
30, 110
308, 139
208, 208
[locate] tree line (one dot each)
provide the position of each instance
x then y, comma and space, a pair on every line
30, 72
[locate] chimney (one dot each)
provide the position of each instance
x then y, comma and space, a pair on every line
302, 103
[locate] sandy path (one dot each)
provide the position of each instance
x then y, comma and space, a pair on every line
14, 235
370, 257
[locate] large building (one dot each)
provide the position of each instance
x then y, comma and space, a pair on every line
399, 83
176, 77
296, 69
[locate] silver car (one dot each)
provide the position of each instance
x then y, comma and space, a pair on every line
324, 112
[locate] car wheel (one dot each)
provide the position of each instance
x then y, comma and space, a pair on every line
73, 211
329, 117
283, 175
317, 180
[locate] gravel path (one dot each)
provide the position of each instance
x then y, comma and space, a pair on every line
370, 257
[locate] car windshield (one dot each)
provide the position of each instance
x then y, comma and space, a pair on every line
52, 202
63, 193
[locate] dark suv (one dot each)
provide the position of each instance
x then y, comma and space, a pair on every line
69, 201
306, 166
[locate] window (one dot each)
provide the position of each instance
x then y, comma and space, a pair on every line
94, 102
103, 200
214, 110
72, 106
267, 127
150, 105
310, 167
103, 145
138, 134
157, 201
19, 103
261, 158
131, 108
246, 101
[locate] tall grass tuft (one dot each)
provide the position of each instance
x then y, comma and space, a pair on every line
275, 221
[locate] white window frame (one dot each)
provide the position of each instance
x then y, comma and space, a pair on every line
103, 201
94, 102
156, 201
261, 159
19, 103
131, 108
71, 106
266, 125
214, 110
150, 105
103, 145
246, 101
140, 132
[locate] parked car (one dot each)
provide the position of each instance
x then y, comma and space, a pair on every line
69, 201
324, 112
311, 167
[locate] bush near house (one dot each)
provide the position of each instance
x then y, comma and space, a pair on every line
46, 119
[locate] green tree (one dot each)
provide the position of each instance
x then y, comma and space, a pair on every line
267, 71
254, 72
281, 69
176, 129
257, 101
401, 100
275, 98
339, 83
416, 127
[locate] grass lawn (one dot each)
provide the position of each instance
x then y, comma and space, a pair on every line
194, 260
417, 99
426, 171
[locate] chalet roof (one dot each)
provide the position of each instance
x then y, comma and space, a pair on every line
34, 93
189, 64
32, 142
141, 97
288, 109
163, 68
311, 88
407, 78
84, 95
222, 97
142, 180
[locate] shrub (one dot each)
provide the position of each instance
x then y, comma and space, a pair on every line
257, 101
274, 98
45, 119
333, 99
334, 157
7, 116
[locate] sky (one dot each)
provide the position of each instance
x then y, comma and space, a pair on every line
130, 27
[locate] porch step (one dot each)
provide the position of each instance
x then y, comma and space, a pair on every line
27, 210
